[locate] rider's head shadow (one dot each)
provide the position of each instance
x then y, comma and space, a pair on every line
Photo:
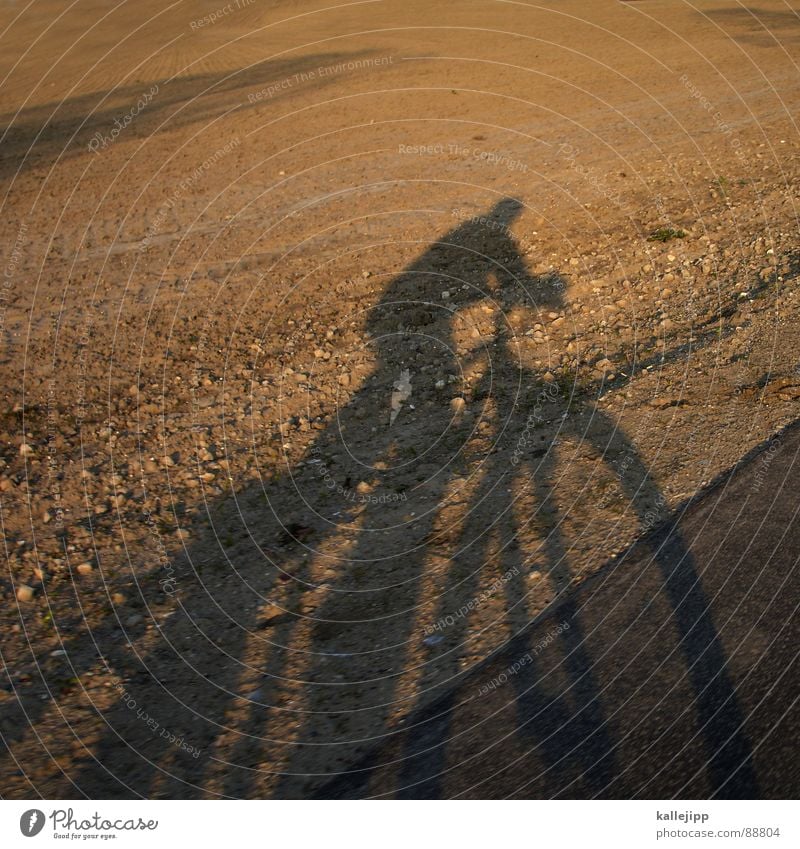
478, 260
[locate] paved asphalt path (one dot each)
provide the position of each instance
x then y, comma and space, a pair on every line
672, 673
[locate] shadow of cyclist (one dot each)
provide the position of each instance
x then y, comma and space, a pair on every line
352, 548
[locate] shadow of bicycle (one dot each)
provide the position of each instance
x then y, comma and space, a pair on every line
424, 530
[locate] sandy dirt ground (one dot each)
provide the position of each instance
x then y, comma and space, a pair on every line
340, 342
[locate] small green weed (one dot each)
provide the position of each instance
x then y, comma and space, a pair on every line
666, 234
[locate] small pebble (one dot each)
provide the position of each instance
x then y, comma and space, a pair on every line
24, 593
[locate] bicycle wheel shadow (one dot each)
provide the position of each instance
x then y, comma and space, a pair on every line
623, 689
303, 646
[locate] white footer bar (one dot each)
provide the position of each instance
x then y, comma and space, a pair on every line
401, 825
